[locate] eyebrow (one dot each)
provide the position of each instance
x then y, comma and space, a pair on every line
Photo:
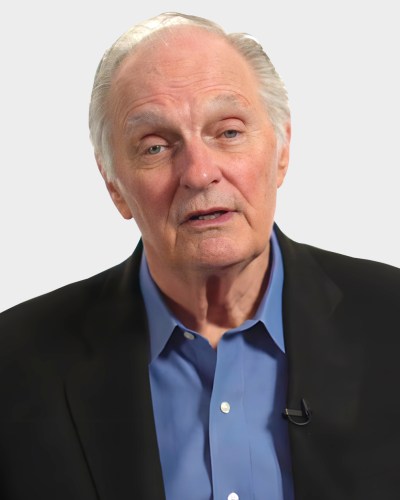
145, 117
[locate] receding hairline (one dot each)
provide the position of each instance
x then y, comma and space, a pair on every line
164, 36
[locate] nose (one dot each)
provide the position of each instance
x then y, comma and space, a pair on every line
198, 166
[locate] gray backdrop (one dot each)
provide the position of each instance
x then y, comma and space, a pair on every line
340, 63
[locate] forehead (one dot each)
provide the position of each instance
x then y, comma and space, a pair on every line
183, 63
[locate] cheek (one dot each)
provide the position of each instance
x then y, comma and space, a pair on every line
255, 179
149, 196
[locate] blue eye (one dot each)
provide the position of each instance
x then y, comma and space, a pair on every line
153, 150
230, 134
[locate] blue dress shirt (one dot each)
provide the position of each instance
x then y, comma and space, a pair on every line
218, 412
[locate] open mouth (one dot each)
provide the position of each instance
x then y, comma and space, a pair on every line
208, 216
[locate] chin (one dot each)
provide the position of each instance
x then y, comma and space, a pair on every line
219, 253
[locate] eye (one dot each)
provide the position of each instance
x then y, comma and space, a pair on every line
154, 150
230, 134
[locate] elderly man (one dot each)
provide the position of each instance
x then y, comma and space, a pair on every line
222, 360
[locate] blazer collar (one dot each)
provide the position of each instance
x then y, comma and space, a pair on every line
310, 298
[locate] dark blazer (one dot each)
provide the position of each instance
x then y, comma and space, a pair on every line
76, 419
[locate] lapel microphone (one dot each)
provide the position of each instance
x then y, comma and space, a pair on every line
298, 417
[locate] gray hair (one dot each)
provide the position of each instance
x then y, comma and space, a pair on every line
272, 89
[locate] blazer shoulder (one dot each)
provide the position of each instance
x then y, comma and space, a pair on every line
61, 309
356, 268
363, 279
355, 276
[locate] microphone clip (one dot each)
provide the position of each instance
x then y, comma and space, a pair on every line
299, 417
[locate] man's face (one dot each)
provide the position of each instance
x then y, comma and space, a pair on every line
196, 160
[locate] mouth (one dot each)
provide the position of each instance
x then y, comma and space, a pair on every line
213, 216
208, 215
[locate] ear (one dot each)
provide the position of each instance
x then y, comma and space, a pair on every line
114, 191
283, 160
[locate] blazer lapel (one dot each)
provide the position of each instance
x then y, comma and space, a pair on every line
109, 392
324, 369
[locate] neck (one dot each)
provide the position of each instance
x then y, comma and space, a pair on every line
213, 301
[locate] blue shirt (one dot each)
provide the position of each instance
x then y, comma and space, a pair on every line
218, 412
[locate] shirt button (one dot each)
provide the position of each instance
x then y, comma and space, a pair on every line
226, 408
233, 496
188, 335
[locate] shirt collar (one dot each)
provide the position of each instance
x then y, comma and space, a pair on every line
162, 322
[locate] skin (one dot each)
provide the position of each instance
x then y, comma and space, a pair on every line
191, 137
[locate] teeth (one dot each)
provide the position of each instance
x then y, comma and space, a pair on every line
209, 216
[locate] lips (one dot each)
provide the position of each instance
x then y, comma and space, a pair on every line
213, 216
208, 215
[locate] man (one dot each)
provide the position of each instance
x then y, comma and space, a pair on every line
222, 360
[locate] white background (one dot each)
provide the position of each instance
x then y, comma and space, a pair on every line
340, 62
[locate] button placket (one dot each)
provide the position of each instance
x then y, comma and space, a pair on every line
229, 446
